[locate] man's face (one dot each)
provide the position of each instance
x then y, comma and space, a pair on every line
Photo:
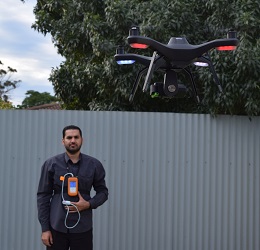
72, 141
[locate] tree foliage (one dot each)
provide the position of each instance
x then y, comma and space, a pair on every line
5, 105
87, 32
35, 98
6, 82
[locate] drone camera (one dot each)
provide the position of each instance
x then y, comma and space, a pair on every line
170, 83
156, 89
169, 88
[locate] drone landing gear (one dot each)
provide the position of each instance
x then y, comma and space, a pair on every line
213, 72
137, 80
170, 87
193, 84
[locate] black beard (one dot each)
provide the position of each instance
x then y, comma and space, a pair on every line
73, 151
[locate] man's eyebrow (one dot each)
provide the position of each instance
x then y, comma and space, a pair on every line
70, 136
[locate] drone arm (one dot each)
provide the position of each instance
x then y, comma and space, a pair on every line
183, 52
159, 47
191, 52
145, 60
230, 43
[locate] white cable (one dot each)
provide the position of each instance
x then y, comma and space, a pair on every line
66, 203
65, 220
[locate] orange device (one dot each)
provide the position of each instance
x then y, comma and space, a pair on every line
72, 186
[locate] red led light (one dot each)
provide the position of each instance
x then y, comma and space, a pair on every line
226, 48
139, 46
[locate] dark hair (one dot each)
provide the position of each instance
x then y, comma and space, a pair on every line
71, 127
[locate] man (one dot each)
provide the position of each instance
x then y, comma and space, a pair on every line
69, 226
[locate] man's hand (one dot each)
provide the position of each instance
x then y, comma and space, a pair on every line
47, 238
81, 205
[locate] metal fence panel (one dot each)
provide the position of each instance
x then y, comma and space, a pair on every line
176, 181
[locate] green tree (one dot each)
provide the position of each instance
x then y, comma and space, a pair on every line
89, 78
6, 83
35, 98
5, 105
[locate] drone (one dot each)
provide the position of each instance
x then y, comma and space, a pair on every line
170, 59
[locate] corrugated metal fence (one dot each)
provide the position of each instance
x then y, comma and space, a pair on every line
176, 181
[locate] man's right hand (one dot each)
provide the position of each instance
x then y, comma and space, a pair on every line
47, 238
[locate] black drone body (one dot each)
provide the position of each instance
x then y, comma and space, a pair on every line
172, 58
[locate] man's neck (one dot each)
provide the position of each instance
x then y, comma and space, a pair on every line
74, 157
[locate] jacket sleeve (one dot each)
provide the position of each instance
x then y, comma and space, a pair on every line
99, 186
44, 194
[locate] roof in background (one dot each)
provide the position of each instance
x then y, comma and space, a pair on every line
52, 106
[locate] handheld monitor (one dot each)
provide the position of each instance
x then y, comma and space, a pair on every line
72, 186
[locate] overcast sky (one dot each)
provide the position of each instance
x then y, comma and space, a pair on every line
32, 54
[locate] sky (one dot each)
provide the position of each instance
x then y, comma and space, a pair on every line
31, 53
